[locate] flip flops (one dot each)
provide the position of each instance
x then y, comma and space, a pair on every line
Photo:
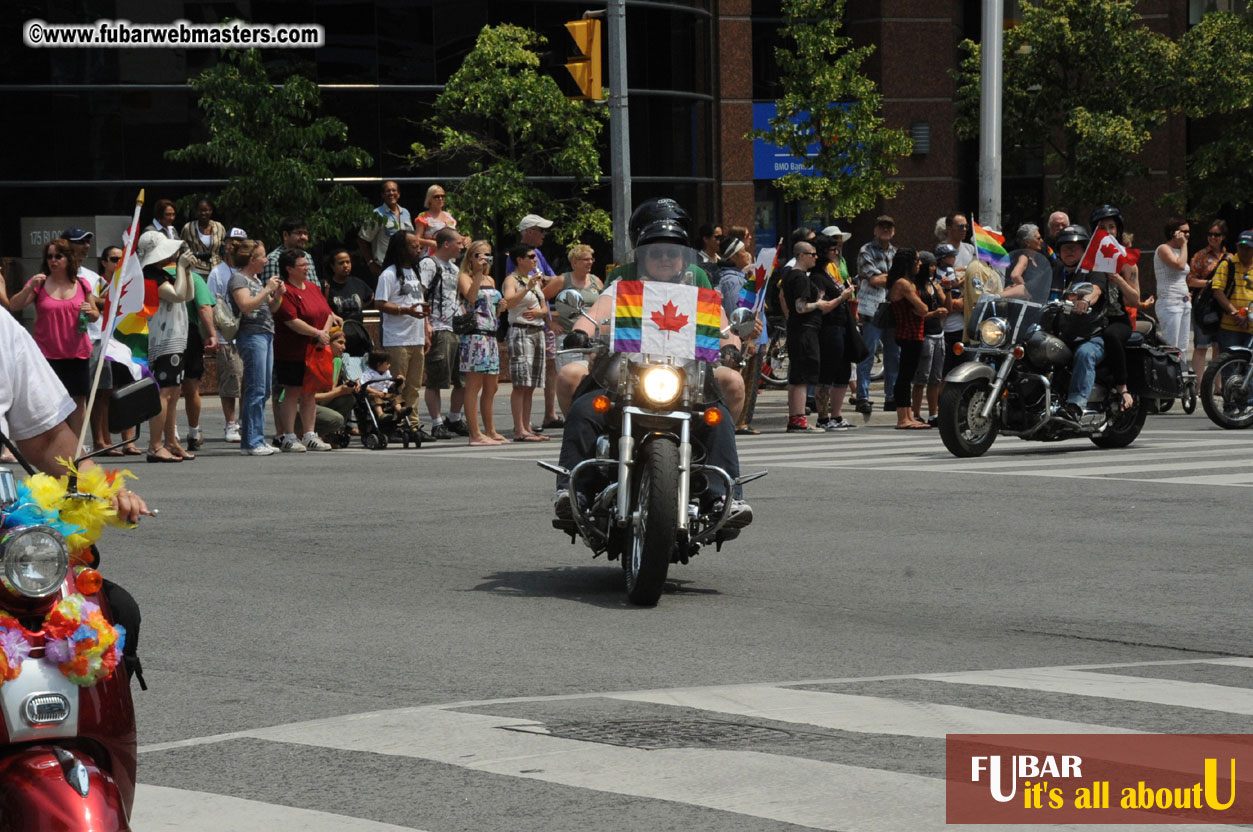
530, 437
747, 432
914, 427
154, 457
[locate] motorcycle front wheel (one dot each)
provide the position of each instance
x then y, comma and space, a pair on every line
775, 363
1220, 392
654, 524
964, 431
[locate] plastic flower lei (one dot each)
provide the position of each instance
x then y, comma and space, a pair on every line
14, 648
84, 645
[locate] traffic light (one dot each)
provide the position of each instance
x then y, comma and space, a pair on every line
586, 70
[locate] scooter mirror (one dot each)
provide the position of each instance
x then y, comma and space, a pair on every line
8, 487
742, 322
134, 404
571, 298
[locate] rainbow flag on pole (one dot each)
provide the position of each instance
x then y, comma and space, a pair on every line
667, 319
990, 247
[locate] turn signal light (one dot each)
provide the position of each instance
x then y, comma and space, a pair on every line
959, 348
89, 581
1019, 352
713, 417
601, 404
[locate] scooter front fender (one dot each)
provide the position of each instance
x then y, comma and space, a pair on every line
41, 791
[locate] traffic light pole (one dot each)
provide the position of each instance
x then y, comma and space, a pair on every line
619, 130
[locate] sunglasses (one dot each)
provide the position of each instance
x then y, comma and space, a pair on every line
527, 257
1218, 234
437, 196
667, 252
116, 259
57, 256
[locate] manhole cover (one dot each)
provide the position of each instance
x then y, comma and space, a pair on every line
650, 734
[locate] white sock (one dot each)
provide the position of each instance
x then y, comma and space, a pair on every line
437, 422
454, 416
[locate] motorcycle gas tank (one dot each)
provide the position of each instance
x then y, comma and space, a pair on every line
1045, 350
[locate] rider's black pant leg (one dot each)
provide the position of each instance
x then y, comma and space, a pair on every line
578, 440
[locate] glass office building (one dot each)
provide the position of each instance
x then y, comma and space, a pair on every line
89, 127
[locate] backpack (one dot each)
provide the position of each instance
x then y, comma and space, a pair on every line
225, 318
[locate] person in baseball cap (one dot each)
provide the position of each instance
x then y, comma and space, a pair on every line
77, 235
533, 221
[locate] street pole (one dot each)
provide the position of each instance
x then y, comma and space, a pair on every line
991, 80
619, 130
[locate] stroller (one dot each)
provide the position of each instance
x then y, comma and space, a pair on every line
376, 433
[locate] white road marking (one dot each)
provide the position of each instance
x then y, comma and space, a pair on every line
861, 714
159, 807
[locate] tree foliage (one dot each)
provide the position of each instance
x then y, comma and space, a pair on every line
1087, 80
507, 122
279, 154
828, 101
1216, 81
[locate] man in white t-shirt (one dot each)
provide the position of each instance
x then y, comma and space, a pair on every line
230, 364
957, 227
400, 300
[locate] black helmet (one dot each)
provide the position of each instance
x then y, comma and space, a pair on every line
1073, 234
1105, 212
657, 220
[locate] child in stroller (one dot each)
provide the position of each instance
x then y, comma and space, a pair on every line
381, 416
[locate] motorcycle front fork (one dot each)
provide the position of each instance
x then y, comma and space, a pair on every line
626, 453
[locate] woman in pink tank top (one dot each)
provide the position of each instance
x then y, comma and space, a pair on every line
64, 304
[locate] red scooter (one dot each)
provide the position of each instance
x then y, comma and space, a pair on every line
67, 723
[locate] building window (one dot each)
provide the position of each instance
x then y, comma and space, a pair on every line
1199, 8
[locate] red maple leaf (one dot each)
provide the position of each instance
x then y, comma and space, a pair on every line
1109, 250
668, 320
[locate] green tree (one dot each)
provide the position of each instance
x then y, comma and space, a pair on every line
508, 122
1087, 80
279, 154
827, 101
1216, 81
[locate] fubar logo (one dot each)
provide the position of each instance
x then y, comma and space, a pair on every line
1099, 778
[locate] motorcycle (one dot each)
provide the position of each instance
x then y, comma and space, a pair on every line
1020, 370
68, 748
648, 474
1228, 394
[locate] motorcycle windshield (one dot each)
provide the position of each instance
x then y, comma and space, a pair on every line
1020, 313
664, 310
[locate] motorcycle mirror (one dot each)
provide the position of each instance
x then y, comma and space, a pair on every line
571, 298
1083, 288
134, 404
742, 322
8, 487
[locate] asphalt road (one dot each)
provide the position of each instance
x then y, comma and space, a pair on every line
377, 640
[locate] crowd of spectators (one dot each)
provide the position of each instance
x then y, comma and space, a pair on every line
277, 331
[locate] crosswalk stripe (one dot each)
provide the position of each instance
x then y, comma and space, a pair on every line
861, 714
1067, 460
161, 807
1171, 692
811, 793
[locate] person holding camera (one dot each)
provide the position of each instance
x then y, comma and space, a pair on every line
255, 301
480, 353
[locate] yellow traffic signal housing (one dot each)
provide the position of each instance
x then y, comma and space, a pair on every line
586, 70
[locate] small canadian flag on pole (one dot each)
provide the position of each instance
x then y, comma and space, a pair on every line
1106, 254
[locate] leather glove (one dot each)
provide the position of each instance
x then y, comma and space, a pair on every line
575, 340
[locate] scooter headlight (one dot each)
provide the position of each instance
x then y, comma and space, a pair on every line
992, 332
35, 560
661, 385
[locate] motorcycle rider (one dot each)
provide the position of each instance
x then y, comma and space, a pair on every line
34, 406
1086, 322
654, 224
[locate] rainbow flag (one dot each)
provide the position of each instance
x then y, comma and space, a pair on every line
990, 247
669, 319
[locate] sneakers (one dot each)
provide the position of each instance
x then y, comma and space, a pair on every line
838, 425
195, 439
741, 514
799, 424
561, 504
864, 406
313, 442
458, 427
292, 445
264, 449
232, 432
441, 431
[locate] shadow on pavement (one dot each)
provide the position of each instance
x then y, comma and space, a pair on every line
600, 586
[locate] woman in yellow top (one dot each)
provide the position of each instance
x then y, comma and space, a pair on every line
1233, 289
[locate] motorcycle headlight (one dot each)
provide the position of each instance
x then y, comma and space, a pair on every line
661, 385
35, 560
992, 332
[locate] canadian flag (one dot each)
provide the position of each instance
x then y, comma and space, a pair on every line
1106, 254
